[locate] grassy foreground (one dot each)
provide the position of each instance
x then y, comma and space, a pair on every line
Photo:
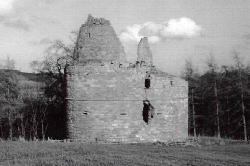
74, 154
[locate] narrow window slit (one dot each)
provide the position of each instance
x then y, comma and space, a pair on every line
147, 81
85, 112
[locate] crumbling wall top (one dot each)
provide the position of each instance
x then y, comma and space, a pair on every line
97, 41
92, 21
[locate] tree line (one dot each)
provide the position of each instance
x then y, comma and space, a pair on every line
219, 99
35, 108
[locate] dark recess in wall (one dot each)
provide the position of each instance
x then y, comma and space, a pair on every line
148, 111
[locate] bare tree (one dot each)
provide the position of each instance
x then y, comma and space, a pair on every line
9, 98
240, 66
1, 129
9, 110
217, 109
43, 115
59, 56
193, 113
212, 66
23, 133
189, 75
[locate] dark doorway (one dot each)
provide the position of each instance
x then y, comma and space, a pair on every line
148, 111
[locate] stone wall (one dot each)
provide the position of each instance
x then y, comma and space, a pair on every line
106, 104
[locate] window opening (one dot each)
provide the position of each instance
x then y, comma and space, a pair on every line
171, 83
147, 80
85, 112
142, 63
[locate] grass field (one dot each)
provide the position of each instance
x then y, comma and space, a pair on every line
74, 154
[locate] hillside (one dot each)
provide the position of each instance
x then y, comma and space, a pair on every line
36, 77
26, 82
15, 86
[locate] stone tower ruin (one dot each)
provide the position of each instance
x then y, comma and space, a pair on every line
111, 100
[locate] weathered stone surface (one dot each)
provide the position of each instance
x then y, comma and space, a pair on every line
97, 41
105, 99
144, 53
107, 105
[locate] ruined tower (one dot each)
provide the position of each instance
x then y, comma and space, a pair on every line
112, 102
144, 54
97, 41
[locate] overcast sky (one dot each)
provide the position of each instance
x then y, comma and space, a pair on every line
177, 29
